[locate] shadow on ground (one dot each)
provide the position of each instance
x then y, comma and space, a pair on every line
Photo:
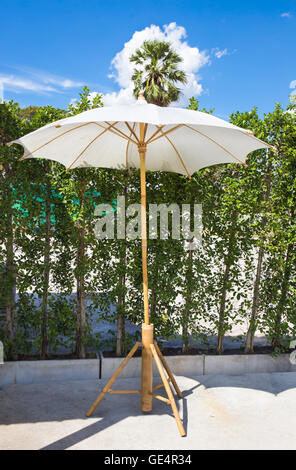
58, 402
66, 402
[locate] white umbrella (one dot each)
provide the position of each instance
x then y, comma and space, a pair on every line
149, 137
177, 140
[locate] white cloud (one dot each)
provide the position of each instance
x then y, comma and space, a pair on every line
13, 83
293, 84
36, 81
56, 80
286, 14
122, 68
63, 83
219, 53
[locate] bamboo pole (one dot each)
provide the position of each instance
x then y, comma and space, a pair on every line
147, 329
156, 387
147, 368
161, 398
142, 154
165, 365
112, 380
168, 391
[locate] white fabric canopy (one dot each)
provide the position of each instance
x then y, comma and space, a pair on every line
178, 140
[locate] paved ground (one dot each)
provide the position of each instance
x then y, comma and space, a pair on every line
252, 411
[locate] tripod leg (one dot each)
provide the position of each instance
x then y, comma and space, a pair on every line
168, 390
165, 365
112, 380
147, 368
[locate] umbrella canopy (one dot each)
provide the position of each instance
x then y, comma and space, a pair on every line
175, 139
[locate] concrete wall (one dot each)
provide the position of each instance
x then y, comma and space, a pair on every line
245, 364
25, 372
190, 366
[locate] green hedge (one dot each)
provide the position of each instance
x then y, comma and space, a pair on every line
244, 270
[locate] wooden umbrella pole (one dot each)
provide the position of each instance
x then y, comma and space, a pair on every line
142, 152
147, 328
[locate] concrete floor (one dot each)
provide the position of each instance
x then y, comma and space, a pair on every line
252, 411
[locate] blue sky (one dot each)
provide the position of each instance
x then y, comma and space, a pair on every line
237, 54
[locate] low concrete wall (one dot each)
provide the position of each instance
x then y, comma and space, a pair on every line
190, 366
246, 364
25, 372
8, 373
131, 370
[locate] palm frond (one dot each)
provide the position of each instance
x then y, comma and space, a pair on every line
157, 72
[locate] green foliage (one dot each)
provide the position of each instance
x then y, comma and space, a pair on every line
87, 101
194, 106
243, 272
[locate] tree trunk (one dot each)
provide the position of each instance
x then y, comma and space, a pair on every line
81, 316
10, 271
220, 338
276, 340
80, 295
11, 286
185, 335
249, 346
228, 264
120, 325
46, 271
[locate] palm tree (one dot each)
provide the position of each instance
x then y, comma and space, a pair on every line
158, 73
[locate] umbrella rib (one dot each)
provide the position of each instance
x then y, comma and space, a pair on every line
179, 155
132, 131
114, 129
165, 133
54, 138
145, 130
85, 148
217, 143
259, 140
154, 134
127, 146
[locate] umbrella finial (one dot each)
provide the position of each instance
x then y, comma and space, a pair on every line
141, 97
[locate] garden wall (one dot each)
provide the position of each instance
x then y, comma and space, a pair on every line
25, 372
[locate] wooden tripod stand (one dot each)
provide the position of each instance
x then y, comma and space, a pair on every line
150, 349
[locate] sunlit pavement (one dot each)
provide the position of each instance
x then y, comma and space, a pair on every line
252, 411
